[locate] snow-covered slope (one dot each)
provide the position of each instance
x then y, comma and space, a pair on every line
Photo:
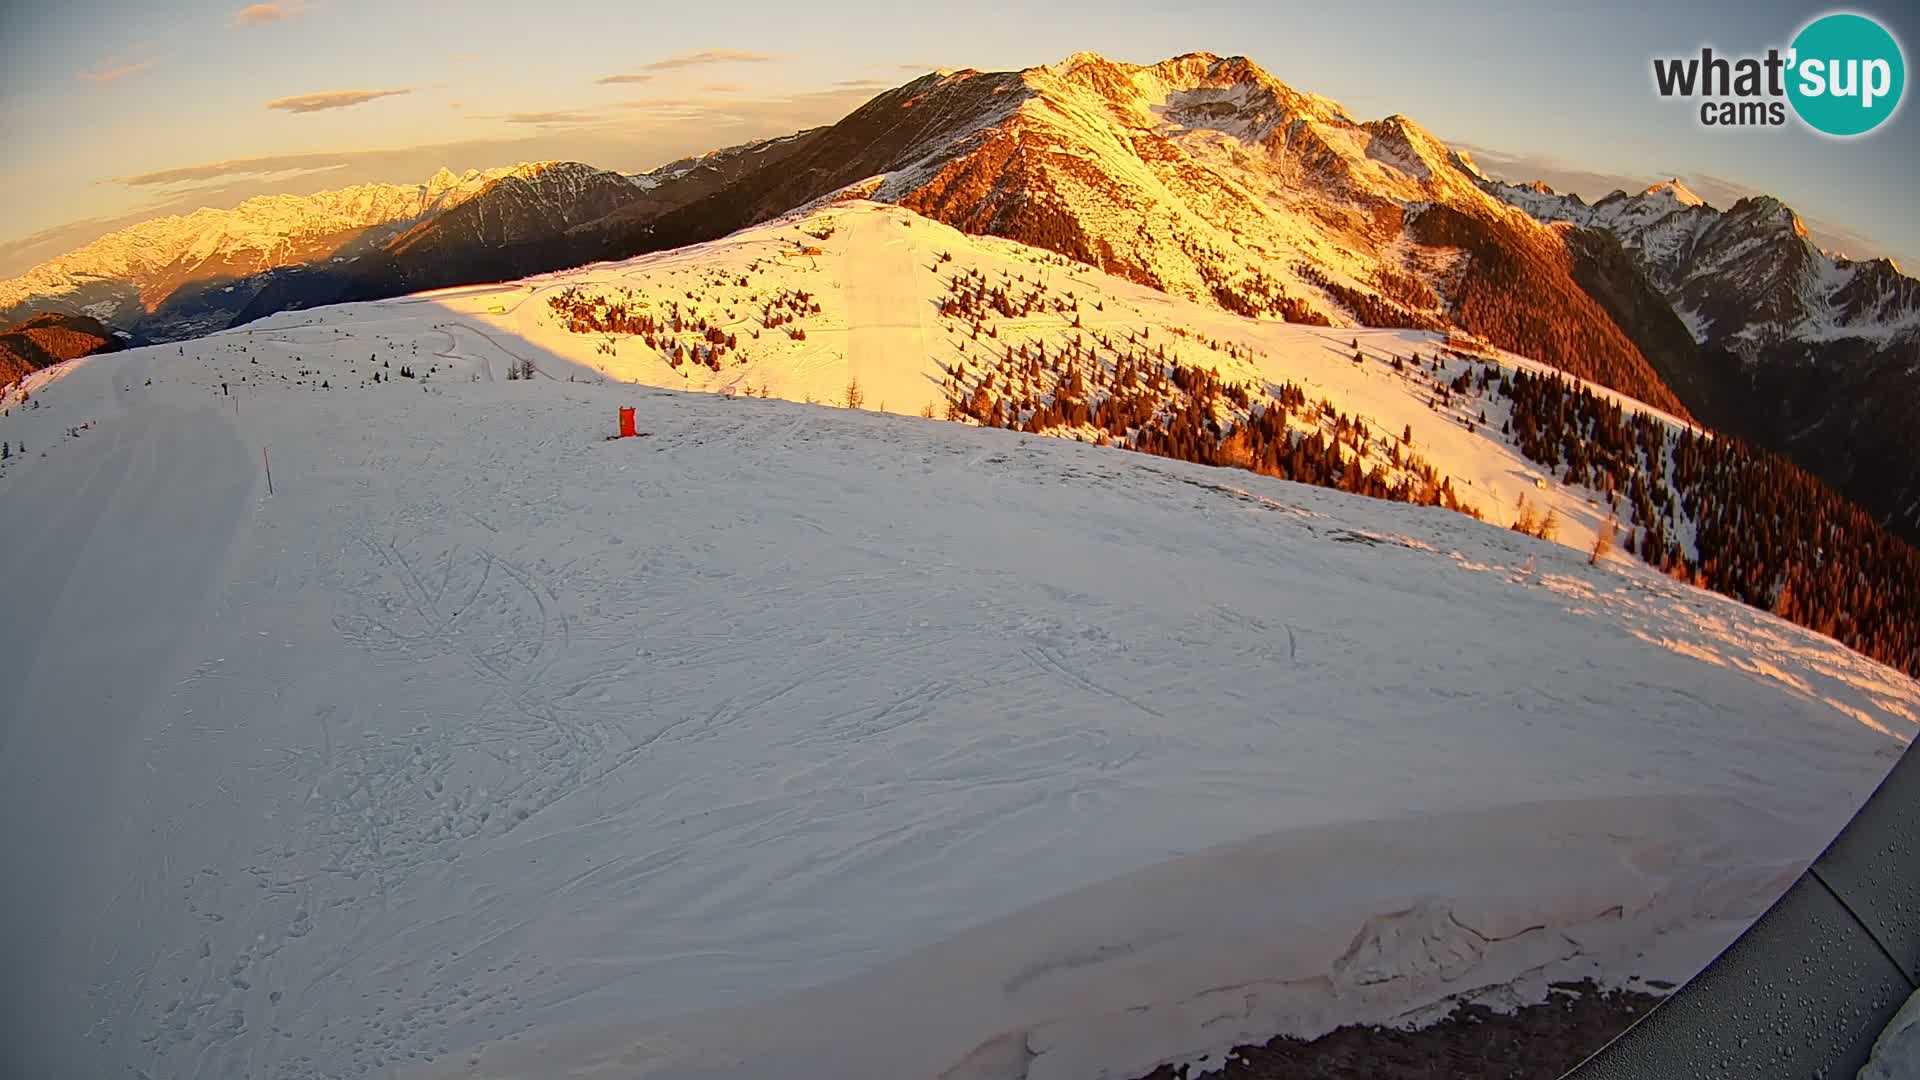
1746, 277
808, 742
880, 276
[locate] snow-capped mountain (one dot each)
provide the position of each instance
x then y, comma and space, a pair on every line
1207, 178
678, 183
1746, 277
541, 217
179, 276
1806, 352
127, 273
530, 203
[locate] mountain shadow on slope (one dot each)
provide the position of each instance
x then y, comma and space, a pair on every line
1522, 295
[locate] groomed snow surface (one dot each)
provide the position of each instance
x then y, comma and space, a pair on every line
805, 742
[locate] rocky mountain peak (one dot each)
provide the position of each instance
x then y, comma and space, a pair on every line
1676, 191
1199, 90
1767, 210
532, 170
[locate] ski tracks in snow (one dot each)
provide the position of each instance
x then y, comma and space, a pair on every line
105, 593
504, 724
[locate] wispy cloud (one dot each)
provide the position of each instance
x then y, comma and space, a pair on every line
803, 109
463, 58
1560, 175
710, 56
556, 117
331, 99
702, 58
261, 14
670, 108
724, 88
115, 68
862, 84
18, 255
267, 165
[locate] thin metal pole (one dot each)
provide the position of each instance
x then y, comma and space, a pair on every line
269, 465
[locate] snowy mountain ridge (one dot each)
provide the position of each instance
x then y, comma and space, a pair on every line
1749, 276
263, 231
1227, 155
1805, 352
128, 273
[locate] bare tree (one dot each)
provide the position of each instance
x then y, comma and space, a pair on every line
1602, 542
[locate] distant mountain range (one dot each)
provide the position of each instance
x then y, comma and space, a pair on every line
1201, 176
181, 276
136, 278
1766, 336
1748, 276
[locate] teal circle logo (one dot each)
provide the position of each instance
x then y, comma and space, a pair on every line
1848, 74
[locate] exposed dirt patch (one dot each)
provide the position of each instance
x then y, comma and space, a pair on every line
1538, 1042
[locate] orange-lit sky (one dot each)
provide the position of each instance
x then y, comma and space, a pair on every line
115, 111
